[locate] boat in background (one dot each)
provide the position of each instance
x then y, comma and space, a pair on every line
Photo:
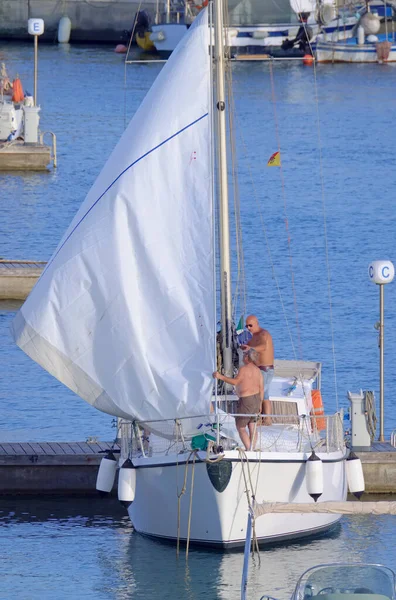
21, 142
376, 49
366, 44
277, 32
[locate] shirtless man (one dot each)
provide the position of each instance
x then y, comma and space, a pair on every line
250, 391
263, 344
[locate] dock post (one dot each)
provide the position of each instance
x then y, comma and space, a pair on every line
35, 28
380, 273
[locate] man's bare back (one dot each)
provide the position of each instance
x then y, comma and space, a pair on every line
250, 381
250, 390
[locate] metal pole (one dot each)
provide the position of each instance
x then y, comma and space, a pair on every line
35, 68
381, 345
246, 555
225, 268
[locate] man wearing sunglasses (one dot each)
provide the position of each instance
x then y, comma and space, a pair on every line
262, 342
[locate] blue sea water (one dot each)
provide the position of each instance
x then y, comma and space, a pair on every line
55, 548
333, 199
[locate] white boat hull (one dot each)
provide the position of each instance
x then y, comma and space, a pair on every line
248, 39
219, 519
337, 52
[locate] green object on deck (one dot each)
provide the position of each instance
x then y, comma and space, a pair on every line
200, 442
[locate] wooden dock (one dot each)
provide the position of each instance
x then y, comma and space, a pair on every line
50, 467
17, 277
70, 468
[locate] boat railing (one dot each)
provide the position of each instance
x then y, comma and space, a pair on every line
393, 438
286, 433
54, 158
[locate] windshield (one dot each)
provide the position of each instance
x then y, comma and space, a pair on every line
337, 582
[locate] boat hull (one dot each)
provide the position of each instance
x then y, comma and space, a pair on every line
253, 41
219, 518
337, 52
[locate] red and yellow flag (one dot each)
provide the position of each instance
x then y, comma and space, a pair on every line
274, 160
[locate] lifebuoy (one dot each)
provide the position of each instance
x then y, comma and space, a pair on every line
317, 411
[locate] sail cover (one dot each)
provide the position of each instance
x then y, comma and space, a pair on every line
124, 312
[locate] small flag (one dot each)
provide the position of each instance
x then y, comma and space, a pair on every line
274, 160
240, 326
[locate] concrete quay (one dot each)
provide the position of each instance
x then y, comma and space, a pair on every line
17, 277
18, 156
99, 21
379, 468
70, 468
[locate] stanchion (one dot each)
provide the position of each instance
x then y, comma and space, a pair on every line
381, 272
35, 28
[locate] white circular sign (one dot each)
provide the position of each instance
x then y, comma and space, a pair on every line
35, 26
381, 271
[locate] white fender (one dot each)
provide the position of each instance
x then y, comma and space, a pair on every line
64, 29
355, 477
127, 483
106, 474
314, 476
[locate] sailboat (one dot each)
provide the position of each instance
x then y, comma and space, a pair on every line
124, 314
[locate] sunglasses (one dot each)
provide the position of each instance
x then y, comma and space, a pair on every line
249, 326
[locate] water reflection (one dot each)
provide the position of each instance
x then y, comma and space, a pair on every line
91, 542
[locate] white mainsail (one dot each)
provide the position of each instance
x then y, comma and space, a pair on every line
124, 312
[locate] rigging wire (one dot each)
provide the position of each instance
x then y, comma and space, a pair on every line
285, 210
239, 294
126, 59
326, 241
240, 288
233, 120
271, 260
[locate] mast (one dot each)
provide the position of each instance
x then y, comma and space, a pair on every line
225, 268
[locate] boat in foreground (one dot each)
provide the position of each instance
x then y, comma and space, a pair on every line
345, 581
